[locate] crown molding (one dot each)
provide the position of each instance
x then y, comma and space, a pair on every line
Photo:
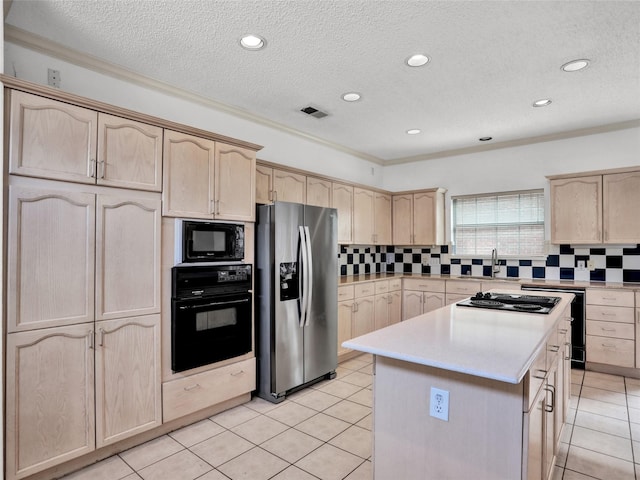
40, 44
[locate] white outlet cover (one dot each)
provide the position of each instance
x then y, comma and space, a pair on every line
439, 404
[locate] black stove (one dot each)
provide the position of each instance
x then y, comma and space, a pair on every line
513, 302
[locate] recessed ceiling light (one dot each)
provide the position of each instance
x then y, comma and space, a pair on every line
485, 139
575, 65
413, 131
351, 97
542, 102
417, 60
252, 42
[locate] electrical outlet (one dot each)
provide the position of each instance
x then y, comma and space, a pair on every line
390, 258
53, 77
425, 258
581, 267
439, 404
590, 265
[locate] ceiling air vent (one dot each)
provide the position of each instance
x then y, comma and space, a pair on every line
314, 112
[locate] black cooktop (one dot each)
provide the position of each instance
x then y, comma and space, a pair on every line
512, 301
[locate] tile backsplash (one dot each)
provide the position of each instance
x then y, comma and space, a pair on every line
611, 263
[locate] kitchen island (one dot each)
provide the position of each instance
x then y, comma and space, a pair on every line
507, 376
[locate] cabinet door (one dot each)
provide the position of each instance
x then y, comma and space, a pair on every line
235, 187
381, 312
534, 431
264, 184
424, 220
363, 317
51, 258
289, 187
402, 219
127, 257
382, 219
128, 378
129, 154
363, 216
395, 307
318, 192
411, 304
621, 196
187, 179
345, 319
51, 139
432, 301
576, 210
50, 398
342, 200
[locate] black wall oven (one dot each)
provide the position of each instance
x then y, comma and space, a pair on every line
211, 309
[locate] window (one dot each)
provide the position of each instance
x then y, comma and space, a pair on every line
512, 222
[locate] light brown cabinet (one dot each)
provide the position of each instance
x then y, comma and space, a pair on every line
56, 240
421, 296
57, 140
264, 184
371, 217
418, 218
206, 179
127, 379
345, 317
318, 192
50, 398
388, 303
342, 200
289, 187
382, 221
594, 209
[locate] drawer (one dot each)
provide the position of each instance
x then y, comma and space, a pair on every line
364, 289
382, 287
190, 394
610, 314
395, 285
423, 285
616, 298
454, 298
465, 287
498, 285
534, 378
612, 351
345, 292
611, 329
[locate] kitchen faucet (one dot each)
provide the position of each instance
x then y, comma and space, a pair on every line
495, 268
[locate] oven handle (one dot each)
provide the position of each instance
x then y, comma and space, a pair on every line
212, 304
309, 275
303, 279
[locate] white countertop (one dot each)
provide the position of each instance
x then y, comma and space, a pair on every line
485, 343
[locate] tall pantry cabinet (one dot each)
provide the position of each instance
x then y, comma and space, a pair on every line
83, 283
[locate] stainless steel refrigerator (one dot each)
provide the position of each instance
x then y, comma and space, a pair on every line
297, 288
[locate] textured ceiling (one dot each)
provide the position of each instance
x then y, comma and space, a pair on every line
489, 61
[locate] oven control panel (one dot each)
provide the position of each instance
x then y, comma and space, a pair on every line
240, 275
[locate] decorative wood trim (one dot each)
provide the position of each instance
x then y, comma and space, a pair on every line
56, 94
594, 172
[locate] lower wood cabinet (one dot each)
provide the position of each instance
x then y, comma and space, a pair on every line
54, 412
421, 296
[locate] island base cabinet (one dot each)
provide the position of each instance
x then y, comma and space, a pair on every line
481, 440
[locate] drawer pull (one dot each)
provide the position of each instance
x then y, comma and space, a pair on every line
550, 408
235, 374
554, 348
607, 329
192, 387
568, 357
544, 375
605, 314
610, 298
563, 331
608, 345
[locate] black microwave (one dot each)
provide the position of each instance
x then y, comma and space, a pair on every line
212, 241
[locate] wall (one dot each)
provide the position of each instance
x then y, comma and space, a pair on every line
279, 146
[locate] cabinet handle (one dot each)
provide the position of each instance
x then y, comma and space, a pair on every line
610, 298
355, 307
101, 341
92, 167
551, 408
237, 373
605, 314
544, 375
563, 331
191, 387
554, 348
568, 357
212, 208
101, 166
608, 345
275, 195
90, 340
607, 329
217, 207
389, 299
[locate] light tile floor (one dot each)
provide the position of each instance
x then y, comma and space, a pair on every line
324, 432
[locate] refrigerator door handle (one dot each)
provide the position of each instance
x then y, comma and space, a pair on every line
308, 275
303, 277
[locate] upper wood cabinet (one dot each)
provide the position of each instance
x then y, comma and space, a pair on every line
620, 200
318, 192
235, 177
264, 184
418, 218
576, 210
67, 263
342, 200
289, 187
382, 219
57, 140
363, 216
595, 209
